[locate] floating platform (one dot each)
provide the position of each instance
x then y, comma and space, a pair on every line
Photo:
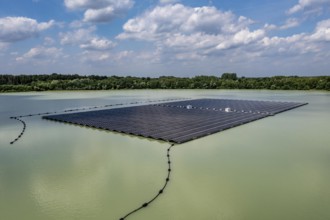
180, 121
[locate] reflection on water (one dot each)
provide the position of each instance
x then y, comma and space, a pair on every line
275, 168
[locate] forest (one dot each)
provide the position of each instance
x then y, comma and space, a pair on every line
55, 81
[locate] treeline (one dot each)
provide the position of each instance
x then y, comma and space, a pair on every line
22, 83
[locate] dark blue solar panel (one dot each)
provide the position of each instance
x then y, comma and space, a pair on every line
177, 121
250, 106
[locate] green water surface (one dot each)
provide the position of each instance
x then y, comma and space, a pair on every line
271, 169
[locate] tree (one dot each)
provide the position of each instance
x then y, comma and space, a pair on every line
230, 76
20, 83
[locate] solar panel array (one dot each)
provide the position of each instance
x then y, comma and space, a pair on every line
247, 106
175, 122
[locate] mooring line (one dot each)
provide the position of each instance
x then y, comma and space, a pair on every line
22, 132
161, 191
81, 109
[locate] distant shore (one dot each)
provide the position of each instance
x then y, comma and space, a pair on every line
28, 83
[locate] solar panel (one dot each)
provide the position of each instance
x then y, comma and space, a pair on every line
177, 122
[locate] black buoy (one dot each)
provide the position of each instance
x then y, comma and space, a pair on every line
145, 205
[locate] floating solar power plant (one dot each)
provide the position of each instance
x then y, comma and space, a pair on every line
248, 106
180, 121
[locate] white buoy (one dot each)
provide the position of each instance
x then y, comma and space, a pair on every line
228, 109
189, 107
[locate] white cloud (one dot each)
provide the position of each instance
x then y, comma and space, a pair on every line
199, 31
84, 4
169, 19
204, 37
171, 38
86, 39
290, 23
322, 31
270, 27
168, 1
14, 29
192, 42
124, 54
100, 15
78, 36
41, 53
45, 25
95, 57
306, 4
316, 42
100, 10
98, 44
242, 37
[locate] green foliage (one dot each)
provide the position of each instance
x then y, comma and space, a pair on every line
22, 83
232, 76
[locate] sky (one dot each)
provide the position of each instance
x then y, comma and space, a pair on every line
165, 37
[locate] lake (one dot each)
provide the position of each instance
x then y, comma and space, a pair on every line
270, 169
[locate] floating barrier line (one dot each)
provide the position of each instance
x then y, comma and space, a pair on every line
22, 132
161, 191
81, 109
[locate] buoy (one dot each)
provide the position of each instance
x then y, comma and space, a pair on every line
228, 109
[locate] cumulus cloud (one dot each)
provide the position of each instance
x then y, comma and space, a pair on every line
196, 37
168, 1
100, 10
14, 29
40, 53
316, 42
199, 31
290, 23
322, 31
95, 57
242, 37
100, 15
83, 4
306, 4
98, 44
81, 35
181, 19
86, 39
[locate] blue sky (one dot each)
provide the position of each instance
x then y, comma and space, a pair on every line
165, 37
